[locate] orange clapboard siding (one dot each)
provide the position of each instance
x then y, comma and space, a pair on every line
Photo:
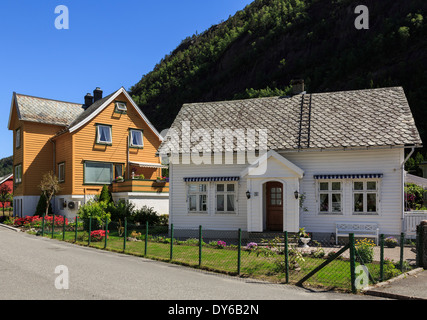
38, 154
85, 147
18, 154
64, 155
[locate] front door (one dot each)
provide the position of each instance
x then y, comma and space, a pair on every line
274, 206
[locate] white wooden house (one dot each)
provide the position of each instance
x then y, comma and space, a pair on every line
323, 160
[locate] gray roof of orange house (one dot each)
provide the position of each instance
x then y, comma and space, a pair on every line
359, 118
47, 111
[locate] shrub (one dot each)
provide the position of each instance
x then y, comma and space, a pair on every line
146, 214
98, 235
41, 206
96, 210
365, 251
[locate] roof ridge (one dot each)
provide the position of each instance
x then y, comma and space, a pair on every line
41, 98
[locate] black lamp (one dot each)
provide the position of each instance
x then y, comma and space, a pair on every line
248, 194
296, 193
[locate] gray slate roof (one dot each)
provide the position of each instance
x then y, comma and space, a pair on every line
47, 111
359, 118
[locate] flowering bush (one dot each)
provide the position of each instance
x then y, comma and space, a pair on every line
98, 235
220, 244
365, 250
251, 246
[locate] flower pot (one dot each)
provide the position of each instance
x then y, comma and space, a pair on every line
305, 242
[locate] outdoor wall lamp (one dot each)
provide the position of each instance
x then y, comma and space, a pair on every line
296, 193
248, 194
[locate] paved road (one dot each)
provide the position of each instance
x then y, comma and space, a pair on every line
27, 271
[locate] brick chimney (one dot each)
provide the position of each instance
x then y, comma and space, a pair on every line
97, 94
88, 101
297, 86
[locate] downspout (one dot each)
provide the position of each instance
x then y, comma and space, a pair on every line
402, 168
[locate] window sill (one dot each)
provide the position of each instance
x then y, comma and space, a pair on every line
365, 213
330, 213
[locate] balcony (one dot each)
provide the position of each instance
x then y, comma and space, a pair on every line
140, 186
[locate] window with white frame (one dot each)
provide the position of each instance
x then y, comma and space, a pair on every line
18, 138
365, 197
198, 197
225, 194
61, 172
103, 134
18, 173
120, 107
330, 197
135, 138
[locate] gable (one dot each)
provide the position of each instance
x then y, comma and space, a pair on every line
108, 102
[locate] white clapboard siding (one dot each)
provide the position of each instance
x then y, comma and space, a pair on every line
385, 161
179, 214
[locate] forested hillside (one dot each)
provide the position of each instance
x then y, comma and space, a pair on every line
6, 166
259, 50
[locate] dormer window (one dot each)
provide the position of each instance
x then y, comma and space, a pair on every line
103, 134
120, 107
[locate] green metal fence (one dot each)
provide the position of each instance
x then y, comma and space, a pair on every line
280, 258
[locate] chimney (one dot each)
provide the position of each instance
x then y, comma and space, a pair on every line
297, 86
88, 101
97, 94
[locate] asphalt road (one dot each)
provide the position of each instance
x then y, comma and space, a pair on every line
27, 272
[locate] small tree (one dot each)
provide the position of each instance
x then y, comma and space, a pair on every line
49, 186
105, 194
5, 195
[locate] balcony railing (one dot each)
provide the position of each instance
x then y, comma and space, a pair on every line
135, 185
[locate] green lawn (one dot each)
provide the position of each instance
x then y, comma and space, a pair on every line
335, 275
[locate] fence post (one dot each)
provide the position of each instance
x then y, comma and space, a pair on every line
63, 230
106, 233
53, 224
43, 226
125, 234
146, 238
171, 253
381, 257
90, 230
200, 246
286, 257
402, 246
239, 252
75, 235
352, 263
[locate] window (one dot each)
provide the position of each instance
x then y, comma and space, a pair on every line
118, 171
103, 134
365, 197
61, 172
98, 172
275, 197
135, 138
225, 197
330, 197
120, 107
61, 204
18, 138
18, 173
198, 197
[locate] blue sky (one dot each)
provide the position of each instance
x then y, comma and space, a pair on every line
109, 44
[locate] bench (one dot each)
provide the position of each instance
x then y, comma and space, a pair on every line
359, 229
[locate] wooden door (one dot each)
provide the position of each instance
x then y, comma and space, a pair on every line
274, 206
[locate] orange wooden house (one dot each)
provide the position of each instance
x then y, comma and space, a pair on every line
105, 141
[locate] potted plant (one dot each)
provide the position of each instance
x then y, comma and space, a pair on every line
304, 237
120, 179
161, 179
390, 242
